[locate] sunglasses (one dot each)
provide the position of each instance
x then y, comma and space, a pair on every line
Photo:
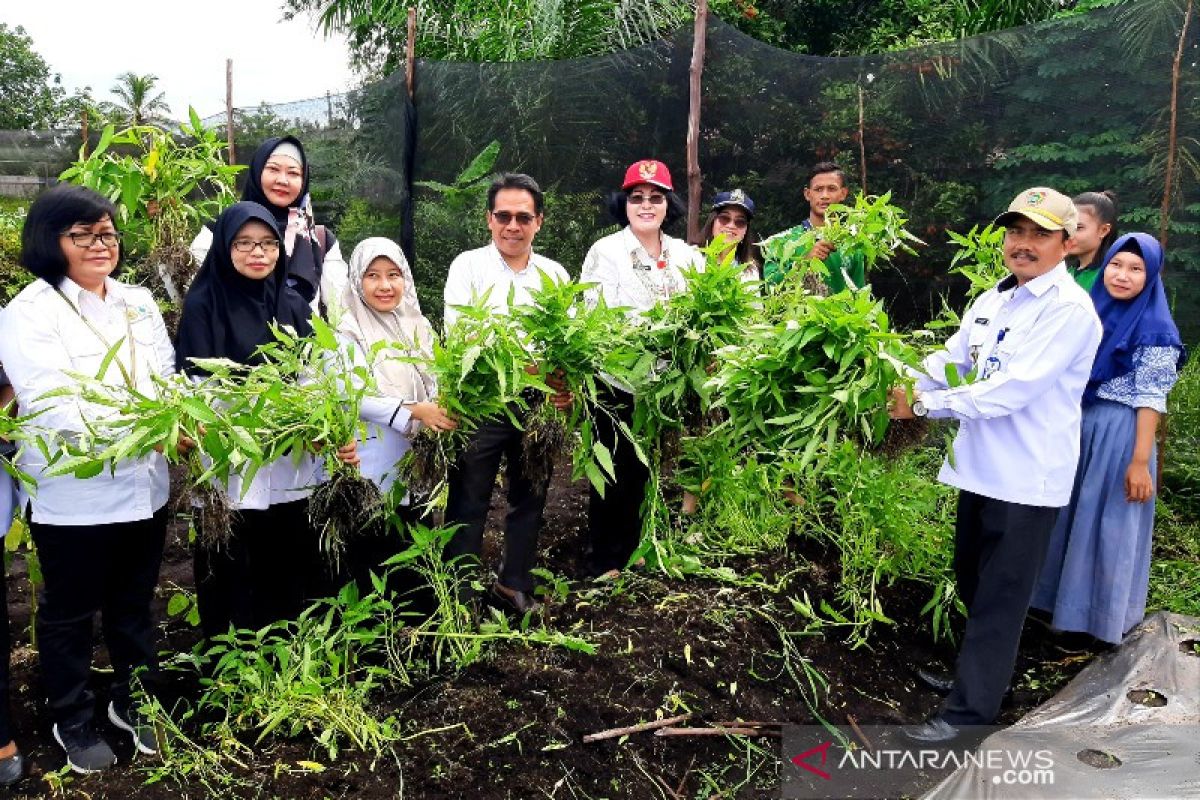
505, 217
730, 220
652, 199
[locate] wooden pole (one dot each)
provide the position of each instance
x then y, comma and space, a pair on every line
862, 143
1168, 187
410, 51
693, 133
229, 110
85, 129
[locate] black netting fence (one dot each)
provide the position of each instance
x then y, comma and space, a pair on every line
953, 131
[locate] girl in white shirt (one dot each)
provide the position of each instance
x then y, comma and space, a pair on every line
380, 305
99, 540
12, 763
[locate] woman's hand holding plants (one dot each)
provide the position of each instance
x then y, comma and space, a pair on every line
348, 454
433, 416
898, 405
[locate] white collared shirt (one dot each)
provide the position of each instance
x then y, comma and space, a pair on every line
1033, 346
41, 339
474, 272
626, 275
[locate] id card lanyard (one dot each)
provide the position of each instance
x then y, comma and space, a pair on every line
128, 375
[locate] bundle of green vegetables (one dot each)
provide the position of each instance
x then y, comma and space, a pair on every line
571, 342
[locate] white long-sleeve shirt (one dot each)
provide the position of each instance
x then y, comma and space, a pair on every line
1033, 346
626, 275
474, 272
42, 338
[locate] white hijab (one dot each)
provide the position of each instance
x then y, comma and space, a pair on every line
405, 328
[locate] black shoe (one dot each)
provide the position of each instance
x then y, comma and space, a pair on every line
940, 682
144, 740
86, 751
521, 602
12, 769
934, 730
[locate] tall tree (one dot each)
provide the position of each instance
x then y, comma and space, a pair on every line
30, 95
138, 104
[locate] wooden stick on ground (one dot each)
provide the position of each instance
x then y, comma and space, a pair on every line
613, 733
862, 737
749, 732
748, 724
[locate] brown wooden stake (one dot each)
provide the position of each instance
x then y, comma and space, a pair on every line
862, 143
229, 110
85, 130
862, 737
1168, 188
410, 51
747, 732
695, 73
613, 733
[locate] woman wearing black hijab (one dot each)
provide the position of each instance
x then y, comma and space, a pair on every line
271, 564
278, 180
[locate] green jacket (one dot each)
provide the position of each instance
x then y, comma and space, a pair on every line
854, 265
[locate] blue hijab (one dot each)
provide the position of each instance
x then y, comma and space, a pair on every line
1143, 321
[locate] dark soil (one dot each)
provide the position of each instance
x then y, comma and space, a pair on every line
511, 726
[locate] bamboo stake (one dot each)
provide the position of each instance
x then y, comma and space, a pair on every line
693, 133
410, 51
613, 733
1168, 188
229, 110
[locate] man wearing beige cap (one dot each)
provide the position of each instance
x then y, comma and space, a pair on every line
1023, 356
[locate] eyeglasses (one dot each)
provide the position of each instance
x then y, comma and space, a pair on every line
652, 199
730, 220
505, 217
85, 240
248, 245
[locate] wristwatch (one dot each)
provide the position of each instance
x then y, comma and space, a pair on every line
919, 409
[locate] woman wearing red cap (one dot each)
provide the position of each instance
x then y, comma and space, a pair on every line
637, 267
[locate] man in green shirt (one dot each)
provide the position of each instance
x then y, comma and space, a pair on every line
826, 186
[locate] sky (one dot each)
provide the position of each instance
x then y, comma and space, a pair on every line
185, 45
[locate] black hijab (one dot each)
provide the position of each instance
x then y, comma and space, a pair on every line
227, 315
296, 222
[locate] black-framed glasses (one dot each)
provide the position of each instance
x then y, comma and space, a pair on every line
248, 245
522, 217
652, 199
732, 221
85, 240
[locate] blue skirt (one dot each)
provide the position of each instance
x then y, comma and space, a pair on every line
1097, 569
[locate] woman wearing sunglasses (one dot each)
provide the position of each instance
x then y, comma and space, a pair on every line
637, 267
730, 217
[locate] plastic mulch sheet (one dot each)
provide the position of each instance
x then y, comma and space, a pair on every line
1128, 726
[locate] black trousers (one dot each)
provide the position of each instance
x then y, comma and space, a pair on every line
270, 568
6, 733
471, 480
615, 520
111, 569
999, 548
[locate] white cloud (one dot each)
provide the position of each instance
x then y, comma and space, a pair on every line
185, 45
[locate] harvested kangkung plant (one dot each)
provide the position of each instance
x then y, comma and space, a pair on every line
480, 369
569, 342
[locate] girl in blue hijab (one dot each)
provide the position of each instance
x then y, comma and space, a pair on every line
1097, 569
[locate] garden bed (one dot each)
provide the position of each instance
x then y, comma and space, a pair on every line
510, 725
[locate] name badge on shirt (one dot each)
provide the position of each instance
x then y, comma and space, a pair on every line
136, 313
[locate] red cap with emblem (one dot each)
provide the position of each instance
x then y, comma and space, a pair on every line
649, 171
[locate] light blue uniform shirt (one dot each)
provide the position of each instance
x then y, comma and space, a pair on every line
1033, 346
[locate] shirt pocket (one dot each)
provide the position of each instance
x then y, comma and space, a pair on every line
86, 351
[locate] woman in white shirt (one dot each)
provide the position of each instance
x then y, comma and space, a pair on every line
380, 305
271, 564
637, 267
99, 540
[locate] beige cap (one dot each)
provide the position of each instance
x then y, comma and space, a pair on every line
1047, 208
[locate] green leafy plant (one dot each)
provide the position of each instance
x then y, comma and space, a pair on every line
165, 187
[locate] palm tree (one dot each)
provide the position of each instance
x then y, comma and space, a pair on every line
137, 103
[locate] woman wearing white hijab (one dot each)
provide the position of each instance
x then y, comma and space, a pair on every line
379, 304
